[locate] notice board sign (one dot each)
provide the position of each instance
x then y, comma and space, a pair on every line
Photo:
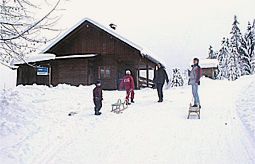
42, 71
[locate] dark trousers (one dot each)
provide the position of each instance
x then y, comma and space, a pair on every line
130, 92
160, 91
98, 106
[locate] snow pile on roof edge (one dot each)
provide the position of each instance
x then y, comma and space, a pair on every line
35, 58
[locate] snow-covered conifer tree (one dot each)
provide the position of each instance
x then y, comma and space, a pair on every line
177, 79
247, 51
212, 54
222, 57
253, 48
237, 43
233, 66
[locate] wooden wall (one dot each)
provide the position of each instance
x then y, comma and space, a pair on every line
88, 38
70, 71
209, 72
26, 75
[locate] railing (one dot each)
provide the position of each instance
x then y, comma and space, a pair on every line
143, 82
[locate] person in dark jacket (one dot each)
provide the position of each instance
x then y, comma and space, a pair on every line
194, 80
160, 76
98, 97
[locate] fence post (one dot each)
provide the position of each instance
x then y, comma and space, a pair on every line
147, 75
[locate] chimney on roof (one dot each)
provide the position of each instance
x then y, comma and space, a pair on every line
113, 26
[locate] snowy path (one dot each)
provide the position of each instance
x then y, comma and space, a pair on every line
160, 133
246, 107
147, 132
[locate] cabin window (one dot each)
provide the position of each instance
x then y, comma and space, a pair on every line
104, 72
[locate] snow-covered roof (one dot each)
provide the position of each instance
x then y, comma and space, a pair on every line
77, 56
208, 63
34, 58
8, 65
144, 52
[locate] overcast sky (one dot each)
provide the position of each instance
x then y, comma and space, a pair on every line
175, 30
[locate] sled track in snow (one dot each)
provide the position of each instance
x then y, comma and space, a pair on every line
48, 153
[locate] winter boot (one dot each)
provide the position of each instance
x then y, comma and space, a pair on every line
132, 101
98, 113
160, 100
127, 102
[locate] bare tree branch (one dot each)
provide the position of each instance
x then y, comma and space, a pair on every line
20, 32
34, 25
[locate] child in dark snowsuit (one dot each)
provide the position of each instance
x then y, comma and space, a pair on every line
98, 97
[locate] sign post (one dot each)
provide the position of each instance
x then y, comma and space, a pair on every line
49, 75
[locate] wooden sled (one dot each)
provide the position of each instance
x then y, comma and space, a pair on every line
119, 106
195, 110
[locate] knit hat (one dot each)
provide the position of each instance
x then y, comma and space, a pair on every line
196, 59
98, 82
128, 72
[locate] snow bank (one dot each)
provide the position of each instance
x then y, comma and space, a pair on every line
28, 114
246, 105
8, 77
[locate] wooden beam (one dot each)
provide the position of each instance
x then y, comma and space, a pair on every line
137, 79
147, 75
50, 76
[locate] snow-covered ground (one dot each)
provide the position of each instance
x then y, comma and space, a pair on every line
35, 127
246, 107
7, 77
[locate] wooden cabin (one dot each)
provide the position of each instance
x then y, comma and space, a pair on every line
209, 67
88, 52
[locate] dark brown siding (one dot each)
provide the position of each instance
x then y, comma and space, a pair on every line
209, 72
70, 71
26, 75
89, 39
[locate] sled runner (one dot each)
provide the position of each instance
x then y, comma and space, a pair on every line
195, 110
119, 106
